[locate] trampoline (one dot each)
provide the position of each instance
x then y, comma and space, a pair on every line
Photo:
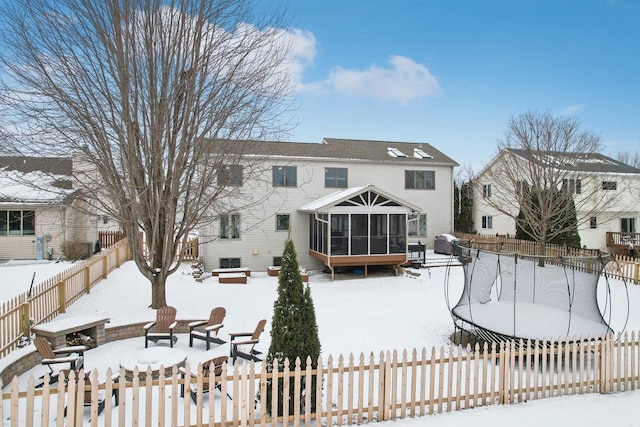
513, 296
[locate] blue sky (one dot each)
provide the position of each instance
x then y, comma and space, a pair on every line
452, 73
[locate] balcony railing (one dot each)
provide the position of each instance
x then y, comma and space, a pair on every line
623, 239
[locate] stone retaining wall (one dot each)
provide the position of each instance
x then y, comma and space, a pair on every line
113, 333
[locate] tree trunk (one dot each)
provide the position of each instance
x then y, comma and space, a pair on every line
542, 251
158, 291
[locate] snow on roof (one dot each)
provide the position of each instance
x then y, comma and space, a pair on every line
331, 199
33, 187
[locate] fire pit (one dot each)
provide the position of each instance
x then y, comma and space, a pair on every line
155, 358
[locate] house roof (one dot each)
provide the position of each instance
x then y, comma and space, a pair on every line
577, 162
36, 180
322, 204
51, 165
353, 149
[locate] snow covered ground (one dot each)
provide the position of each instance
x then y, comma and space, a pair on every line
16, 275
355, 315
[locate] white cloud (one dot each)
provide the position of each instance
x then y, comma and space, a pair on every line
572, 109
405, 80
302, 52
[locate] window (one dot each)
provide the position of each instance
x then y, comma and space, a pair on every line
593, 222
277, 261
521, 187
394, 152
359, 234
420, 180
230, 226
420, 154
487, 221
282, 222
628, 225
573, 186
229, 262
285, 176
486, 190
17, 223
230, 175
335, 177
378, 233
105, 219
418, 226
609, 185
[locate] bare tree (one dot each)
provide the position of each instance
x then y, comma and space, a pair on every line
630, 158
152, 98
542, 158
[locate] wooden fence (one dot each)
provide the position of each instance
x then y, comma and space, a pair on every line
624, 267
54, 295
191, 250
110, 238
342, 392
524, 247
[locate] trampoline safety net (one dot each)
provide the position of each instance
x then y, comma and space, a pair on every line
508, 295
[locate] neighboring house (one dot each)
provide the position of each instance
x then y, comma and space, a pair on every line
39, 208
605, 192
344, 202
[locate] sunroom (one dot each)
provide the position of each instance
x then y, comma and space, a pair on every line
360, 226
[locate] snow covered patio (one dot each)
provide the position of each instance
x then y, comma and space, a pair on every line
355, 315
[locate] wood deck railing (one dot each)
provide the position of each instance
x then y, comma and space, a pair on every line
352, 390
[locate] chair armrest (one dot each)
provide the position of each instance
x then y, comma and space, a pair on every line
245, 342
67, 359
197, 323
173, 325
240, 334
71, 349
148, 325
214, 327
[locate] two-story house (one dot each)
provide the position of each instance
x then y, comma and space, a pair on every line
605, 191
41, 208
36, 198
344, 202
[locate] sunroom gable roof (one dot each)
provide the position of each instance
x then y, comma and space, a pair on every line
334, 199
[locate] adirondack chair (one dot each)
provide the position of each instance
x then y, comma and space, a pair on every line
207, 330
87, 398
245, 348
211, 369
161, 328
73, 355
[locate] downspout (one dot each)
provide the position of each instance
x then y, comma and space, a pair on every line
63, 217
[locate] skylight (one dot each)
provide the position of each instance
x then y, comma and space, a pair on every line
419, 154
394, 152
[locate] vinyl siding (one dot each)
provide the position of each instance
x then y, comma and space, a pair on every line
622, 203
50, 221
260, 242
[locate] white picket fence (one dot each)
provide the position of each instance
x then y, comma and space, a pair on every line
346, 391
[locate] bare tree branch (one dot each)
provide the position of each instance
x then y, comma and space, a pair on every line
143, 89
540, 156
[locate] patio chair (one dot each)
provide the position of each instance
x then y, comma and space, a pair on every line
87, 393
162, 328
209, 333
211, 369
73, 355
245, 348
